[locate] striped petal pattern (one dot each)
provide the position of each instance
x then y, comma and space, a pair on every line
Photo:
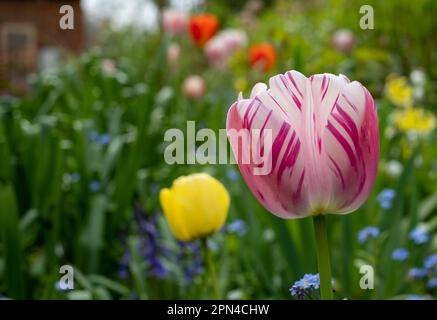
324, 143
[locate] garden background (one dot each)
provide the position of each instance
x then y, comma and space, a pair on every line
81, 159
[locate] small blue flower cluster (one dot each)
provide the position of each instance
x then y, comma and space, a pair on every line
428, 269
431, 261
415, 297
417, 273
190, 257
150, 248
94, 186
232, 174
123, 269
75, 177
158, 256
400, 254
237, 226
305, 286
419, 235
367, 233
432, 283
385, 198
102, 139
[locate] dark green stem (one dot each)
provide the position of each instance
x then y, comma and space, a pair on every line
323, 261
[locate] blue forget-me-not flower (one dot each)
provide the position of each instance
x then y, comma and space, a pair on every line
305, 286
385, 198
419, 235
400, 254
366, 233
417, 273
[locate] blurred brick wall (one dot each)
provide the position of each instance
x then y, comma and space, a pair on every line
39, 20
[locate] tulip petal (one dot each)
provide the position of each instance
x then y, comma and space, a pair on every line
174, 218
286, 179
352, 144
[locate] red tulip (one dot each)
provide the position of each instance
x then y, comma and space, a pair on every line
262, 56
203, 27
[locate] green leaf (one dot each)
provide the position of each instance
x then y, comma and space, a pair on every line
14, 276
109, 284
287, 245
426, 206
91, 238
391, 218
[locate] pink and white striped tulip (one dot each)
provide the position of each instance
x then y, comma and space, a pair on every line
325, 143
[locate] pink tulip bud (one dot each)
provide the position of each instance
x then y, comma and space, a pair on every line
108, 66
174, 21
343, 40
194, 87
221, 47
173, 53
324, 149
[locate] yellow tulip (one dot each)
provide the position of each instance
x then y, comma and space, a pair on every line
414, 120
399, 92
195, 206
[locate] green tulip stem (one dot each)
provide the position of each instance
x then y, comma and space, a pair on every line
323, 263
211, 269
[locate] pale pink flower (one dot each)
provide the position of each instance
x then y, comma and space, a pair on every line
324, 148
174, 21
194, 87
221, 47
343, 40
173, 53
108, 66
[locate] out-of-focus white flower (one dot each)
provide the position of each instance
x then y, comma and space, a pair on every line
173, 53
269, 235
393, 168
418, 92
343, 40
174, 21
418, 79
389, 132
194, 87
221, 47
236, 294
